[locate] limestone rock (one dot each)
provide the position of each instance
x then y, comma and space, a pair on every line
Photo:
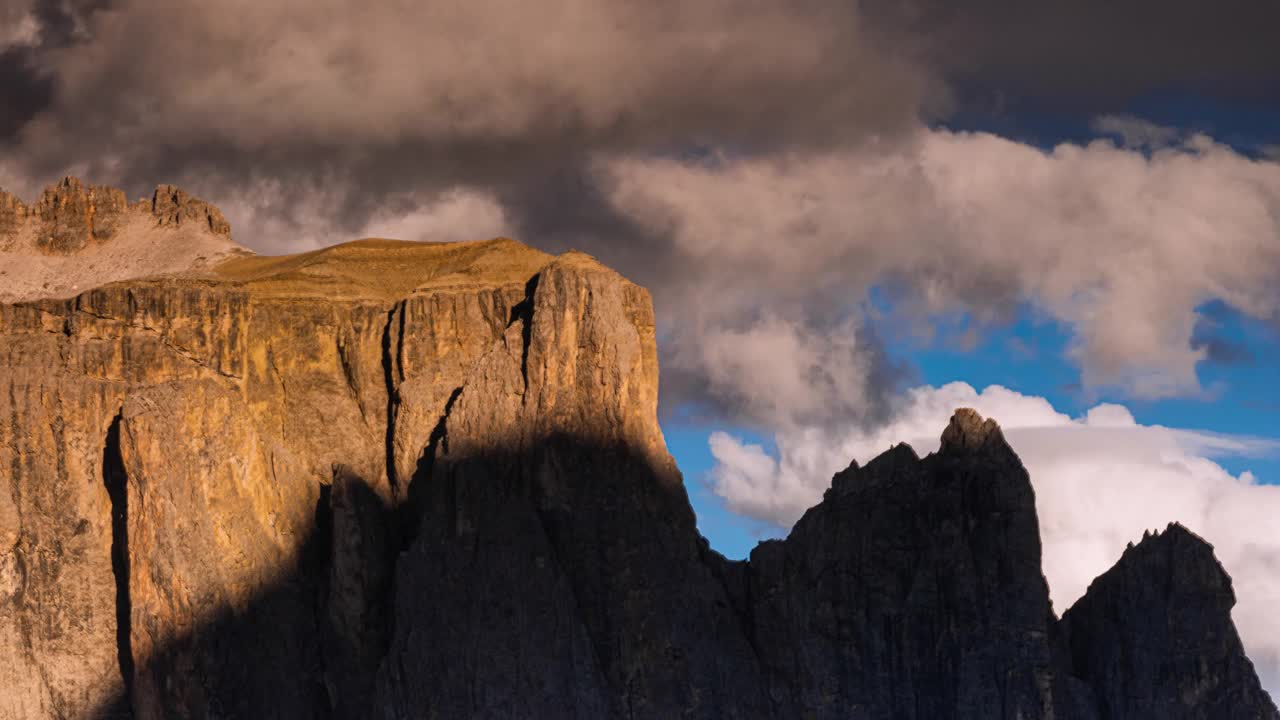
1153, 637
174, 206
356, 622
912, 591
13, 215
72, 215
79, 236
968, 431
553, 514
403, 480
233, 397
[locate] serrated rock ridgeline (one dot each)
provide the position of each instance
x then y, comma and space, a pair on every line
78, 236
70, 215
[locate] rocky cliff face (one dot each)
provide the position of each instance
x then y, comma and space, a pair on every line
398, 480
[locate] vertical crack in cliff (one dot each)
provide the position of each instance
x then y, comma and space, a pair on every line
390, 368
116, 479
351, 375
416, 493
523, 312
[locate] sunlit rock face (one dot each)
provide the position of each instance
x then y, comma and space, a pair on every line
400, 480
78, 236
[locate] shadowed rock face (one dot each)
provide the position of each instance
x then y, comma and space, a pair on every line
1153, 636
396, 480
912, 591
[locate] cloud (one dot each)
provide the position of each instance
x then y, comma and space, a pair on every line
453, 216
1118, 245
1101, 480
1134, 132
224, 78
18, 26
442, 216
233, 84
339, 109
782, 373
1093, 55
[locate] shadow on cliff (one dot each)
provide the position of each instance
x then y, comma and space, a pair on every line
435, 588
258, 661
567, 579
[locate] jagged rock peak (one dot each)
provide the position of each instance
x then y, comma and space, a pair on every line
890, 461
1178, 551
968, 431
174, 206
12, 213
71, 214
1153, 636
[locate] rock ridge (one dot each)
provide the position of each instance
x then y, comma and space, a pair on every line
70, 214
77, 236
1153, 636
400, 480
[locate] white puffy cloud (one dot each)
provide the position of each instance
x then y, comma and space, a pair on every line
1119, 245
1101, 480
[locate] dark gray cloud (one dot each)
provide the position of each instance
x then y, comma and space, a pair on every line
405, 98
23, 90
30, 31
407, 90
1092, 55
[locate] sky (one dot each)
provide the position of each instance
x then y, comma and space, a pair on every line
854, 216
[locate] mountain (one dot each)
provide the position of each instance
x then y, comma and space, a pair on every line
79, 236
401, 480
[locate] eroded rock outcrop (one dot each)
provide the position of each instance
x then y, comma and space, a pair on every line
172, 205
78, 236
403, 480
71, 215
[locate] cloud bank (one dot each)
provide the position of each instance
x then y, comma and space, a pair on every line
1101, 480
1118, 245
